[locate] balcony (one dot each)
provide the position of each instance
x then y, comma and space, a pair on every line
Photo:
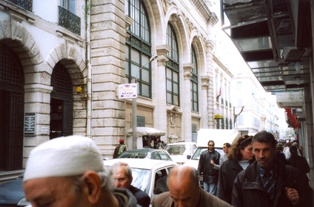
69, 20
26, 4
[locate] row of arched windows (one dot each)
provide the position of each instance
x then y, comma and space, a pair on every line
138, 54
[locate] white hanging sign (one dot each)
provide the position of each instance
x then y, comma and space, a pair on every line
127, 91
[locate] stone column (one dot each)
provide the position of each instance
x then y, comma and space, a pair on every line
204, 101
37, 100
159, 89
210, 96
108, 34
210, 45
186, 104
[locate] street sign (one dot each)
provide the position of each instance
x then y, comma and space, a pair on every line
127, 91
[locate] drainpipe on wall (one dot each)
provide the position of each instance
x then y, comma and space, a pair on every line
89, 69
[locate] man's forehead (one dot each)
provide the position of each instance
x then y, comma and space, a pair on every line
261, 144
44, 187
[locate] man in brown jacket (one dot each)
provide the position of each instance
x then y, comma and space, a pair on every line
184, 190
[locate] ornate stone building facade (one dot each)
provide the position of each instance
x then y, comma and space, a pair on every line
61, 64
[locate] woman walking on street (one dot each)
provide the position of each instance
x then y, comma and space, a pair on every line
238, 159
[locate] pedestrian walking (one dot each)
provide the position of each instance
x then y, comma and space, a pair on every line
207, 170
239, 158
297, 161
267, 181
120, 148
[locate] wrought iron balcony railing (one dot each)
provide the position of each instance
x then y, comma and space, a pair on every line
69, 20
26, 4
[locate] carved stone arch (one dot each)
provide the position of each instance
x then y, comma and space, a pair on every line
72, 60
180, 29
20, 40
23, 51
155, 14
201, 52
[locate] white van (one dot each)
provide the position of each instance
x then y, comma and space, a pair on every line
219, 136
181, 151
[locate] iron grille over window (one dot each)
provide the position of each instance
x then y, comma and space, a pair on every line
26, 4
69, 20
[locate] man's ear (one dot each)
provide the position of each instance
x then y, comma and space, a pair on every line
92, 185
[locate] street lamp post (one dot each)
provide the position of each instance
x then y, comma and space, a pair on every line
134, 107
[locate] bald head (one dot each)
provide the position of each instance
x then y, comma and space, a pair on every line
186, 173
183, 186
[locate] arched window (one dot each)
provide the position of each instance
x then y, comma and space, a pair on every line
138, 48
172, 69
194, 82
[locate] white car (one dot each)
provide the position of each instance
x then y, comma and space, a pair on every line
148, 175
181, 151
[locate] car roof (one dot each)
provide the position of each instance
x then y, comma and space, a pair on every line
143, 150
181, 143
140, 163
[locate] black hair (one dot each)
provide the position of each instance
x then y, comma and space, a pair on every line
265, 137
227, 144
211, 141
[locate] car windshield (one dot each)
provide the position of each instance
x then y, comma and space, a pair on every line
141, 179
177, 149
199, 150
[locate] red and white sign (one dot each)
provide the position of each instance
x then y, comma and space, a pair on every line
127, 91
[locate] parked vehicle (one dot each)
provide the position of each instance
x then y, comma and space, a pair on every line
12, 194
147, 153
181, 151
148, 175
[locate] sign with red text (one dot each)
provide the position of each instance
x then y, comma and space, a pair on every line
127, 91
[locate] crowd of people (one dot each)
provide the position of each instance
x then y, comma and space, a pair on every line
258, 169
69, 171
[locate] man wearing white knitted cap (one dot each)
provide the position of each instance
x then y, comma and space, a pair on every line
69, 172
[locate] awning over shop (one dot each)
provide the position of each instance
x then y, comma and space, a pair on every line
146, 131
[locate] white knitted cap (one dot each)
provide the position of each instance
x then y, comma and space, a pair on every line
64, 156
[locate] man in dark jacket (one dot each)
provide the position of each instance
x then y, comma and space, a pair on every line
268, 182
207, 168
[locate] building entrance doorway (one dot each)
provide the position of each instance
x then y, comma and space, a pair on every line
11, 110
61, 103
